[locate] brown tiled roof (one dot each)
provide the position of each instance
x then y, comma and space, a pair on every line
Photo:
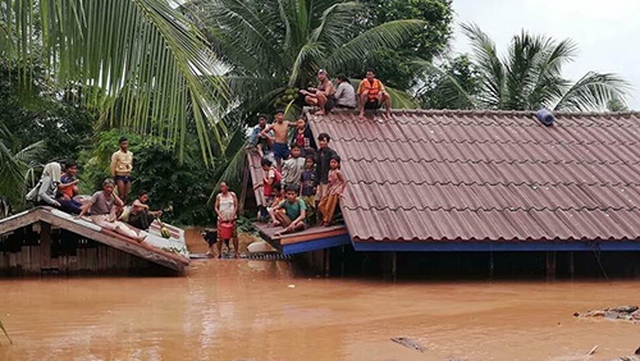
488, 176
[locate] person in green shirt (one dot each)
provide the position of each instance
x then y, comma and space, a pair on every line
294, 215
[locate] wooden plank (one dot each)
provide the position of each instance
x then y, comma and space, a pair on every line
293, 238
19, 220
45, 245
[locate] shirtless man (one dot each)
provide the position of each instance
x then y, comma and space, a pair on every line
280, 129
322, 96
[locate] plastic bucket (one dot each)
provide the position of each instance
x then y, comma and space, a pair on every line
226, 230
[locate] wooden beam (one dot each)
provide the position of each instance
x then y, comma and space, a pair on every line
551, 265
19, 220
45, 245
246, 179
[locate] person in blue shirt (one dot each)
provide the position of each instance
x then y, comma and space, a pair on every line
263, 145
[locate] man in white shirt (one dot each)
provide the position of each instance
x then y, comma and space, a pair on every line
345, 94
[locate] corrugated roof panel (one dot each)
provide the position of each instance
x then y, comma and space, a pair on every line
488, 176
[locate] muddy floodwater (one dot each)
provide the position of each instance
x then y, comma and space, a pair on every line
256, 310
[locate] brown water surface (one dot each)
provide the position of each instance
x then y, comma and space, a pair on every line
249, 310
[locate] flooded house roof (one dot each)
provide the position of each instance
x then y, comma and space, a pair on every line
169, 252
438, 176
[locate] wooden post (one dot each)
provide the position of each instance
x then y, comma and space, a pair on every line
491, 264
572, 269
243, 192
342, 261
45, 246
394, 265
327, 262
551, 266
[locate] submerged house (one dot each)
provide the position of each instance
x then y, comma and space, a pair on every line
46, 240
479, 181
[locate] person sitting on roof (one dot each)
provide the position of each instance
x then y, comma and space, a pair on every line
272, 177
337, 184
345, 94
141, 216
263, 144
102, 207
322, 96
294, 216
45, 192
281, 130
303, 138
372, 94
68, 189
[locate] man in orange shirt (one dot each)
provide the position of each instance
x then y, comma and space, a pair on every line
371, 94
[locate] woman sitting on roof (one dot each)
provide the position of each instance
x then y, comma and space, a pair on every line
103, 206
44, 193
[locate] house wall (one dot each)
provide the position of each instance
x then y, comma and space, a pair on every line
22, 254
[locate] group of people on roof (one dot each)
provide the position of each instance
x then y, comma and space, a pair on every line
303, 182
371, 94
58, 188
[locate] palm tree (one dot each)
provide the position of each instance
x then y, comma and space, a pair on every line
530, 77
140, 62
16, 167
272, 45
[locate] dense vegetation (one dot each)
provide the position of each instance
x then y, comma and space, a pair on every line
184, 83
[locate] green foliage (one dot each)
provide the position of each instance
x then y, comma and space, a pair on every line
530, 77
36, 114
272, 46
396, 66
183, 185
444, 87
140, 63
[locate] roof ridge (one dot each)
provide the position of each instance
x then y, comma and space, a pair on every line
485, 112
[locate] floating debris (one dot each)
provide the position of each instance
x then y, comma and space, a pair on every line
627, 313
409, 343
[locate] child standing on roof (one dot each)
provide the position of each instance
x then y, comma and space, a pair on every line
292, 169
308, 188
280, 129
303, 138
323, 158
337, 184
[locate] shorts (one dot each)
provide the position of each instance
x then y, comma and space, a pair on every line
331, 103
372, 104
124, 178
280, 150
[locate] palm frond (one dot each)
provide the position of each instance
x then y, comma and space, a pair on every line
387, 35
233, 170
401, 99
144, 58
335, 21
306, 58
454, 91
593, 92
489, 64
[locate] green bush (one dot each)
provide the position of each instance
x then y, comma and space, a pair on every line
185, 186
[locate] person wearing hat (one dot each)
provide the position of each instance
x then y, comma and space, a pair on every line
322, 96
345, 94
